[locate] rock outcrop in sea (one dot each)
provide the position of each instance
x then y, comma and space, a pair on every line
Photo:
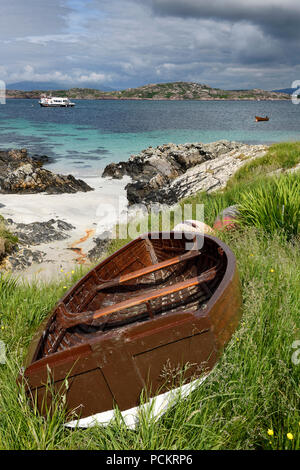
170, 172
20, 173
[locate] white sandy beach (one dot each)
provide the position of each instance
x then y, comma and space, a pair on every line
90, 213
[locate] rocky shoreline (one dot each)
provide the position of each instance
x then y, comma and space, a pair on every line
169, 173
20, 173
163, 175
22, 256
44, 235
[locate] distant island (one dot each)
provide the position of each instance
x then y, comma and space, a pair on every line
159, 91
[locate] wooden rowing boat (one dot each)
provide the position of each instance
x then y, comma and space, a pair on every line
153, 303
258, 118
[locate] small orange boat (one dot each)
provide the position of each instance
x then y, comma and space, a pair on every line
258, 118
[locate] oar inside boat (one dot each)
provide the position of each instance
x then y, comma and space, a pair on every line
148, 270
68, 320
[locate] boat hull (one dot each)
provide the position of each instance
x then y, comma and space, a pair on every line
259, 119
57, 105
150, 357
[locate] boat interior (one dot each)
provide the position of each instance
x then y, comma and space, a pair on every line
150, 276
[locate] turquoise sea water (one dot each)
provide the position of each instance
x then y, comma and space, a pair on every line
82, 140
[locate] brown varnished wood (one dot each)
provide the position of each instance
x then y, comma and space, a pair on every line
111, 363
68, 320
148, 270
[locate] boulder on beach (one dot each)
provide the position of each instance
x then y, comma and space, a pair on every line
101, 244
22, 255
36, 233
20, 173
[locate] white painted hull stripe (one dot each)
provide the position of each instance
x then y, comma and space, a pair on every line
154, 409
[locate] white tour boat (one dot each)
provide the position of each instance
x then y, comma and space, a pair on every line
55, 102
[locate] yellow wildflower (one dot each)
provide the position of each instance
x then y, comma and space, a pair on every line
61, 270
65, 287
290, 436
270, 432
271, 270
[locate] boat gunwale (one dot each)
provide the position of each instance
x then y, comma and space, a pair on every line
202, 312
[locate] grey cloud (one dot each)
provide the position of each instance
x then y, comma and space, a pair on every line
20, 18
279, 18
129, 43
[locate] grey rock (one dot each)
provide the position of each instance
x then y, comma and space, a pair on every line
101, 245
21, 174
171, 172
23, 258
21, 255
40, 232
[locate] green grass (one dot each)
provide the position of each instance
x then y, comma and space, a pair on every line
270, 203
273, 206
284, 155
255, 386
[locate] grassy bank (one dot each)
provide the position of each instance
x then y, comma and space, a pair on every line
255, 386
285, 155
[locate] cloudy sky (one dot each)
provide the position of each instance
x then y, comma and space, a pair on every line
231, 44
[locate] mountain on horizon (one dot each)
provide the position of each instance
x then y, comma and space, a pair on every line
152, 91
29, 86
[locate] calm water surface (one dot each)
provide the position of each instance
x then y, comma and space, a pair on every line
82, 140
